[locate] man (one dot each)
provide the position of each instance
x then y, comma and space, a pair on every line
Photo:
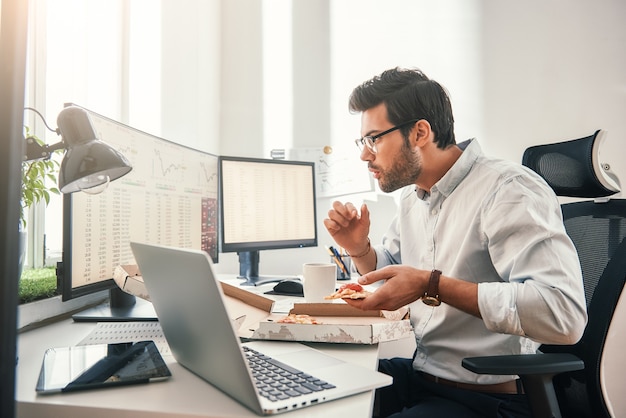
477, 250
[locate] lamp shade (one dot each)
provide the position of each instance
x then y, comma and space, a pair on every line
89, 165
88, 162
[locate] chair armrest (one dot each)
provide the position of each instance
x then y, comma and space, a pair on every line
535, 371
524, 364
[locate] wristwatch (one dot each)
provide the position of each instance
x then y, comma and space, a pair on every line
431, 297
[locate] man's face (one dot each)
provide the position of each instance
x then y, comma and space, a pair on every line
395, 164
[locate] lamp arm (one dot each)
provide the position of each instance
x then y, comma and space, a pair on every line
32, 109
37, 151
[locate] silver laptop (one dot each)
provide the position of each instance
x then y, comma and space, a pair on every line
189, 303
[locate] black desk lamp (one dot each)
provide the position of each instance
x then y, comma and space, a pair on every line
89, 164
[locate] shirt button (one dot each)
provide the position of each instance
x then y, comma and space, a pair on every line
434, 211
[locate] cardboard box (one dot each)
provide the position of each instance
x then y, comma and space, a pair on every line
338, 322
128, 278
347, 330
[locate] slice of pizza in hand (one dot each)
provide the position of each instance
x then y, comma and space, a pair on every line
350, 291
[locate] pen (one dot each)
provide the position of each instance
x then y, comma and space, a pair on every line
342, 265
333, 255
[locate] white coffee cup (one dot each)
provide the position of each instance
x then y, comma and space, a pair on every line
319, 280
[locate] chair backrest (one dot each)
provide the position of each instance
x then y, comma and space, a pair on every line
572, 168
597, 228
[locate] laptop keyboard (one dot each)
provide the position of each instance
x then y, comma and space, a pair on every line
277, 381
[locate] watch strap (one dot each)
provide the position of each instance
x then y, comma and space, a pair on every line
431, 297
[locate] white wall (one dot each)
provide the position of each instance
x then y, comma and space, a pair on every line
554, 71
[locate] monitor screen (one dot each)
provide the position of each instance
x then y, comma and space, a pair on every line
265, 204
168, 198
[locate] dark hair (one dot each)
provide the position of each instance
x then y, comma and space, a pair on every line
408, 94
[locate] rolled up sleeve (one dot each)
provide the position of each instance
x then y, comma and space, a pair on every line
541, 296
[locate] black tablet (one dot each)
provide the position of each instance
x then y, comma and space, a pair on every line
82, 367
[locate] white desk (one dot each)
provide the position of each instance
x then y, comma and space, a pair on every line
184, 395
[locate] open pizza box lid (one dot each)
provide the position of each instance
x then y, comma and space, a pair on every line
128, 278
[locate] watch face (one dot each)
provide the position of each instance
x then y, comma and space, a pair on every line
431, 301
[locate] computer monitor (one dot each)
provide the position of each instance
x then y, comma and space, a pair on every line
169, 198
265, 204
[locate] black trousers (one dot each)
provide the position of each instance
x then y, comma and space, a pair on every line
413, 396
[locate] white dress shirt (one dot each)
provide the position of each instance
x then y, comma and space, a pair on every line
495, 223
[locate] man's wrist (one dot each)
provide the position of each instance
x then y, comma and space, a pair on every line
364, 252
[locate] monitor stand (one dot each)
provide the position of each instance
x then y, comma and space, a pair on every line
249, 270
121, 307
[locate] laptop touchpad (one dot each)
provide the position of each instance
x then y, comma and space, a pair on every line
308, 359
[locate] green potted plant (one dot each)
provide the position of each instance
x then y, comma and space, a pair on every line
35, 175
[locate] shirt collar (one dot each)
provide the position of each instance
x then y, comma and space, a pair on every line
455, 175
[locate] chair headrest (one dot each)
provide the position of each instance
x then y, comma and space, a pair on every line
572, 168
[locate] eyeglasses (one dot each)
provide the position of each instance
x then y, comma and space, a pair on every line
370, 140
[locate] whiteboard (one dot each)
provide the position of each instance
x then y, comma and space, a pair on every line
338, 172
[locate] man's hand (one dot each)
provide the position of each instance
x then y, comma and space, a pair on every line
403, 285
347, 227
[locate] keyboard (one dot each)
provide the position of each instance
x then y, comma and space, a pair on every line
277, 381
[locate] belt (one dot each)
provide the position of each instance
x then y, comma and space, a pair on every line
512, 387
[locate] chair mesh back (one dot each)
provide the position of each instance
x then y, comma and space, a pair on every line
598, 231
567, 167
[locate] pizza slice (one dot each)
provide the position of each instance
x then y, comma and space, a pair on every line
298, 319
350, 291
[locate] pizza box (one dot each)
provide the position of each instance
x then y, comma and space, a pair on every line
338, 321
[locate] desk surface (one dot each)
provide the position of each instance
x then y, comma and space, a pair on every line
184, 395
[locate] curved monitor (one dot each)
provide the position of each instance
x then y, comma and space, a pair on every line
265, 204
168, 198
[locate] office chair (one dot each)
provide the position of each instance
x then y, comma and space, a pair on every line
597, 227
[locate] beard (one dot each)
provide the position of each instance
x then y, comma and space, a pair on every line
405, 170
